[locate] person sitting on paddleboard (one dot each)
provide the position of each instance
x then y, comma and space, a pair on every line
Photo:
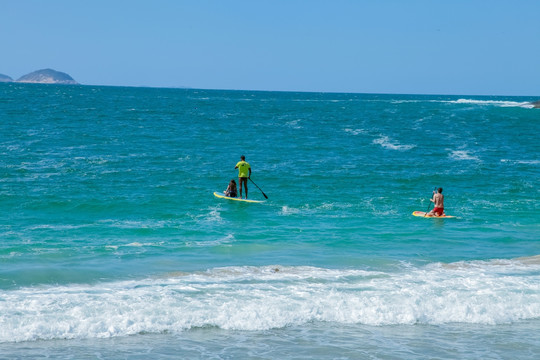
438, 199
231, 189
244, 173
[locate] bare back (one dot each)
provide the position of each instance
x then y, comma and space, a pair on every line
438, 199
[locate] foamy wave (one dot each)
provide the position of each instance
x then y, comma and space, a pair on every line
294, 124
307, 210
212, 216
61, 227
134, 244
261, 298
500, 103
286, 210
133, 224
462, 155
385, 142
222, 241
355, 131
522, 162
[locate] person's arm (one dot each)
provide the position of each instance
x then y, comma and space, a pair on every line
249, 173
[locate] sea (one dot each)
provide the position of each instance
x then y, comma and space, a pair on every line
113, 246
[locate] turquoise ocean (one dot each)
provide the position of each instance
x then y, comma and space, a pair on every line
112, 245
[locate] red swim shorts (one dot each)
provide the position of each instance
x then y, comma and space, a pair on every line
438, 211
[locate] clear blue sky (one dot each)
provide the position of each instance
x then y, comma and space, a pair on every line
463, 47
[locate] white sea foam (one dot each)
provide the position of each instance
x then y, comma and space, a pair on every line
386, 143
184, 158
355, 131
522, 162
294, 124
13, 148
307, 209
499, 103
213, 216
92, 160
286, 210
229, 239
133, 224
58, 227
462, 155
134, 244
261, 298
374, 204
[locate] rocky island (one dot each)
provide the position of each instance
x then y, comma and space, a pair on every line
536, 104
47, 76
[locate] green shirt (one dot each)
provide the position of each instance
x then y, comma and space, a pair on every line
243, 169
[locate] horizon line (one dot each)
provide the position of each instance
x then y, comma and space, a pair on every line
260, 90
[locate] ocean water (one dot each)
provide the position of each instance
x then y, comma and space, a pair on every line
113, 246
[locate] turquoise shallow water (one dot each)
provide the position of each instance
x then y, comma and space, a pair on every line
112, 244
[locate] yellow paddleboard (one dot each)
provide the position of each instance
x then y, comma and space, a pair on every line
222, 196
423, 214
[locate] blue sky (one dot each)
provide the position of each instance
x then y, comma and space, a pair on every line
465, 47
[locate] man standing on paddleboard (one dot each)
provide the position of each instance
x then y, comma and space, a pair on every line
438, 199
244, 173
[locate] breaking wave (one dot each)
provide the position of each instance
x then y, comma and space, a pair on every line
261, 298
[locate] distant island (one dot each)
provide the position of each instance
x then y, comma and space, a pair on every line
536, 104
45, 76
5, 78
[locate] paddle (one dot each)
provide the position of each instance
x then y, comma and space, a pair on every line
266, 197
429, 205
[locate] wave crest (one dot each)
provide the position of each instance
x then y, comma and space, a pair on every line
499, 103
386, 143
261, 298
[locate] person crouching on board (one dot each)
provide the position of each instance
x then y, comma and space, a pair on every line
438, 199
231, 189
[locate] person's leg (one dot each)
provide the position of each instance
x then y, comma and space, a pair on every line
240, 184
245, 185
